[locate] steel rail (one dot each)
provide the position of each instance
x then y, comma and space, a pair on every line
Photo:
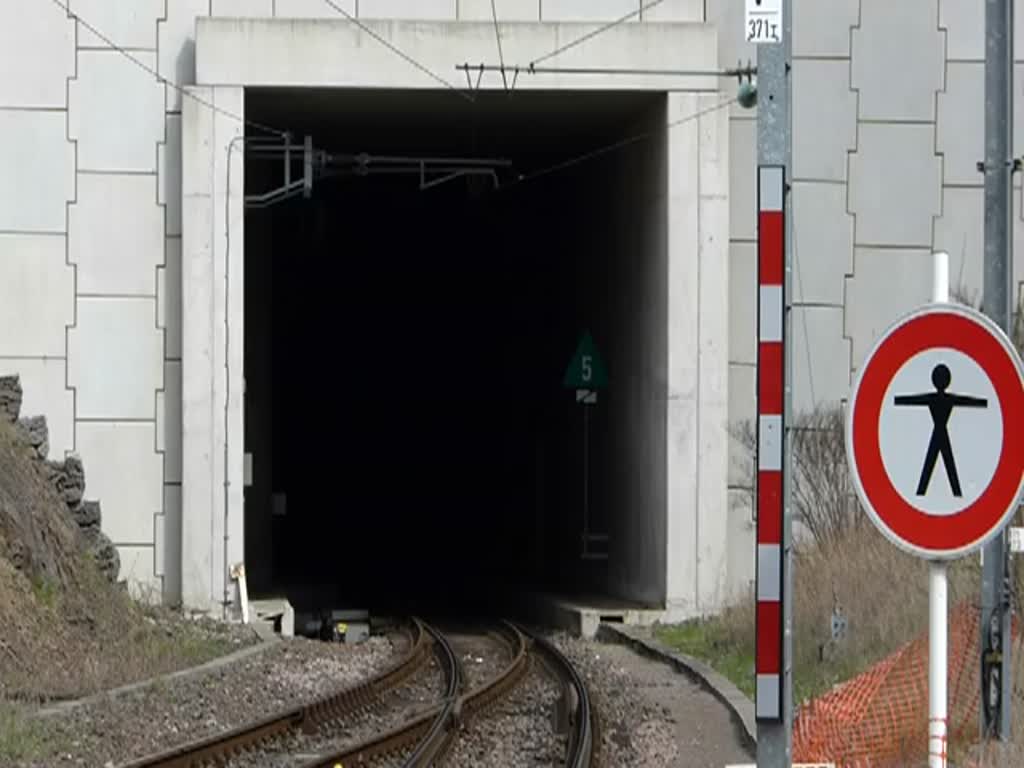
435, 740
426, 733
427, 737
229, 743
580, 747
434, 732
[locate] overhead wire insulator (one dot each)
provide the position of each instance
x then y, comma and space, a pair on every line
746, 95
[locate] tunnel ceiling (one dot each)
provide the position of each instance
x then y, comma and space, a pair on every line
519, 124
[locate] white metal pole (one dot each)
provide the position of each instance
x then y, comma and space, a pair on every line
586, 480
940, 277
938, 625
937, 655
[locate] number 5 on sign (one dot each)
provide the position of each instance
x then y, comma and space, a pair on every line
763, 21
586, 369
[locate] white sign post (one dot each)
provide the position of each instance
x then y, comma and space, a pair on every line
938, 600
936, 452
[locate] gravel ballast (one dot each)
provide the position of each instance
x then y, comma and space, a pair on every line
648, 714
481, 657
115, 730
517, 731
417, 694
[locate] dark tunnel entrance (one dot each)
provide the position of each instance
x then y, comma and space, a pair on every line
412, 442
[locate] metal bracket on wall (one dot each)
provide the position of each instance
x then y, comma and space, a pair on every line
320, 165
313, 161
1014, 165
432, 171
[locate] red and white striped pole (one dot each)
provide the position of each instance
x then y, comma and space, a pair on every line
770, 663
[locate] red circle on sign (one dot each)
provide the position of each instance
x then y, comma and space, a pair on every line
977, 337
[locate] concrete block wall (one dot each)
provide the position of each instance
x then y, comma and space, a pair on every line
887, 128
37, 284
91, 234
727, 16
235, 53
888, 124
115, 240
424, 10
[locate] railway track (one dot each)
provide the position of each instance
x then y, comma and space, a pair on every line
431, 734
580, 747
223, 746
423, 740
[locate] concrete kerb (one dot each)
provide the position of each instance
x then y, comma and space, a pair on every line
265, 643
740, 707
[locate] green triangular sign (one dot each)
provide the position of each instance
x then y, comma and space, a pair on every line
586, 370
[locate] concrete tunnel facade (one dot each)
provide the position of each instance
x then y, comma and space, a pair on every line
669, 342
122, 264
124, 270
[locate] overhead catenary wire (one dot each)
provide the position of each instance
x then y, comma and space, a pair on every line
578, 159
256, 125
807, 334
62, 4
399, 52
530, 69
286, 134
160, 78
595, 32
741, 71
497, 36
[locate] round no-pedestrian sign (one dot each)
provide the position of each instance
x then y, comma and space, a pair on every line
935, 431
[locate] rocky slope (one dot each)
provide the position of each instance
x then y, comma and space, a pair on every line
67, 627
44, 523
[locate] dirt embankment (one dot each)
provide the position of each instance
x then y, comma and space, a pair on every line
68, 629
36, 537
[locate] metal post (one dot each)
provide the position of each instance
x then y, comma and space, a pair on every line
937, 661
938, 618
586, 480
998, 169
774, 147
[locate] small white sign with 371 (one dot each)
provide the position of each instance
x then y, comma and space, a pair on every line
763, 22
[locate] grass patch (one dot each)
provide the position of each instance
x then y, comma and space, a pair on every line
189, 647
713, 642
882, 591
21, 737
709, 641
46, 592
67, 643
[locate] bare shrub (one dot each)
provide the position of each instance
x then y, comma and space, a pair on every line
880, 589
974, 299
849, 567
845, 567
824, 502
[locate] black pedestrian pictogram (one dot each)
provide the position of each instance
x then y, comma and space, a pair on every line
940, 405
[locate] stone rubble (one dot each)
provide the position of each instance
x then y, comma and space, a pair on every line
34, 431
10, 398
67, 476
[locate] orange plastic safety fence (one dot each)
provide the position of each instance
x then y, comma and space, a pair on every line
880, 718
